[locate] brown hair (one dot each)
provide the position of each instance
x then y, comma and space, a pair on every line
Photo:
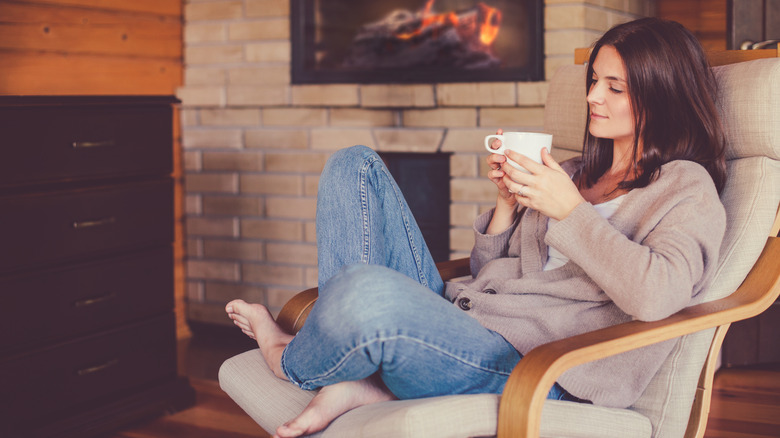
672, 90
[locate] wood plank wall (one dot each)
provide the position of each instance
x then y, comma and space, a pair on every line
98, 47
707, 19
92, 47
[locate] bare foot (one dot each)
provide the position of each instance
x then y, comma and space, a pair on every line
257, 323
333, 401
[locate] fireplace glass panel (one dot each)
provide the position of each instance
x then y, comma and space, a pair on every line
416, 41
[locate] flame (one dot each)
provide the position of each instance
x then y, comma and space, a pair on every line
429, 19
488, 28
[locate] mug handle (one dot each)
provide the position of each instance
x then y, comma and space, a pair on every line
500, 150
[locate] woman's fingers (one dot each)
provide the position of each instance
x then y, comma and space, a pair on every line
550, 162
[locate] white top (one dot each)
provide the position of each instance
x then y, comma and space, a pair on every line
606, 209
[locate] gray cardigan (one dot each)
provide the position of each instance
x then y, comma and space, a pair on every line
646, 262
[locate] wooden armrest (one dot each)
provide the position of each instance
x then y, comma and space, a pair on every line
521, 403
294, 313
454, 268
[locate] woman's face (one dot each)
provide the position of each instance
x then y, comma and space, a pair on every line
610, 108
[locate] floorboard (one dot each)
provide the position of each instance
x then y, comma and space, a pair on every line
745, 402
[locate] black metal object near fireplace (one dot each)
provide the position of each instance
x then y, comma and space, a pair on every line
416, 41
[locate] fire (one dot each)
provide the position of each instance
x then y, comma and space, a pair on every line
488, 26
488, 30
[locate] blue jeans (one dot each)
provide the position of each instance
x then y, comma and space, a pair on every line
380, 307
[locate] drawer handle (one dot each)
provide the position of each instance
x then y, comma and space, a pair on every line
92, 144
94, 300
95, 223
97, 368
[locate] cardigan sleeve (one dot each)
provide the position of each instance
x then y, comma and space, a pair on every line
657, 273
488, 247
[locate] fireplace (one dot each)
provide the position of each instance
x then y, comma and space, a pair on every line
416, 41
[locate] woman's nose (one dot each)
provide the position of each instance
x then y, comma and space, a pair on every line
595, 95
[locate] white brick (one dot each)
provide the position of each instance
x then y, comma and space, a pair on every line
334, 139
230, 117
277, 138
201, 95
295, 117
476, 94
213, 54
265, 75
270, 29
278, 230
204, 76
408, 140
325, 95
291, 208
277, 51
251, 95
397, 96
267, 8
212, 138
218, 10
204, 33
360, 117
213, 270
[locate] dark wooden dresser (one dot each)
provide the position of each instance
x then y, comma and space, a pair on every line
88, 336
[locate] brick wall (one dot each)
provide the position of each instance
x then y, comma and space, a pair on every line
255, 144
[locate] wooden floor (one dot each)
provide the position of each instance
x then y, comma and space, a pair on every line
214, 415
746, 402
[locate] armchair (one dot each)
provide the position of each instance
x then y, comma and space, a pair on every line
677, 401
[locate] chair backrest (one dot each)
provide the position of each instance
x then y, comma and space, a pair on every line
749, 102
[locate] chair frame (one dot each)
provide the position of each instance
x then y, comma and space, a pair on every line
520, 408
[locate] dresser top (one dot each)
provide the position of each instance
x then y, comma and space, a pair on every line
18, 100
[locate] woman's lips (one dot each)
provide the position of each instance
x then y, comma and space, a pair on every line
597, 116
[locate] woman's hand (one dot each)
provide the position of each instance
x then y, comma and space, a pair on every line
496, 173
547, 188
506, 203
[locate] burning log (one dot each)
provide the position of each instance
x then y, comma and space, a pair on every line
423, 39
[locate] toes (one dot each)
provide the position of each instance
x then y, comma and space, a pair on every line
231, 306
289, 431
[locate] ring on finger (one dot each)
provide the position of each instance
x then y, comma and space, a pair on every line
519, 191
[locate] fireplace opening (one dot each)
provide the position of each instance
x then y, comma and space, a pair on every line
424, 180
416, 41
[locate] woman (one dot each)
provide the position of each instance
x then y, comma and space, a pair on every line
629, 231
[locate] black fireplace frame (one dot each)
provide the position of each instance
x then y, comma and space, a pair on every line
303, 71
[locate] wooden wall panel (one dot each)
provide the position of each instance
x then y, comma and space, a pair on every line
99, 47
90, 47
78, 30
49, 73
160, 7
707, 19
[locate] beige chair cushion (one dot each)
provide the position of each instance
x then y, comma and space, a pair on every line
566, 110
271, 402
751, 93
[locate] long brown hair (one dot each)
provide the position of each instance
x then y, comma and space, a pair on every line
672, 90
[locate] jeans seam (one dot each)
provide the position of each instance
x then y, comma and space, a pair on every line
407, 226
355, 350
364, 209
370, 160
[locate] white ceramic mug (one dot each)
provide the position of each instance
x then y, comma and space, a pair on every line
529, 144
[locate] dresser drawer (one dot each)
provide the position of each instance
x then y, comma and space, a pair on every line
44, 144
80, 299
51, 227
67, 375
